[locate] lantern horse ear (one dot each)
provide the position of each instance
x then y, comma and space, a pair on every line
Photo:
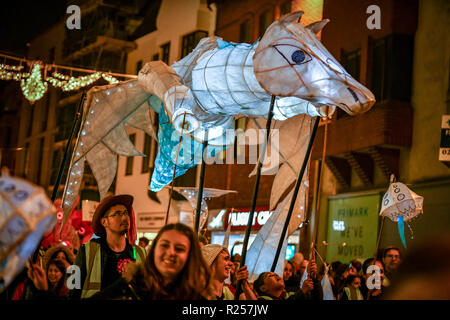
292, 17
315, 27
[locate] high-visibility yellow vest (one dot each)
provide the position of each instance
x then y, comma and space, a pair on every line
227, 294
92, 283
353, 293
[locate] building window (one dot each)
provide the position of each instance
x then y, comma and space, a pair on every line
30, 120
46, 108
265, 19
244, 32
147, 150
351, 62
26, 167
190, 41
58, 155
129, 165
165, 51
138, 66
378, 69
65, 117
40, 161
392, 62
51, 55
285, 7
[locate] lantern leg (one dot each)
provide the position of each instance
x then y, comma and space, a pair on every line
78, 116
66, 156
255, 194
201, 184
294, 196
174, 171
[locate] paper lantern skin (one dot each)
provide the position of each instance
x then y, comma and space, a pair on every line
26, 214
399, 200
291, 61
219, 80
191, 194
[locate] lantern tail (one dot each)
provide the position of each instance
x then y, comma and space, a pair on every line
401, 230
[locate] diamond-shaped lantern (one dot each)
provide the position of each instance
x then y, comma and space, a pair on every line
26, 214
401, 204
191, 194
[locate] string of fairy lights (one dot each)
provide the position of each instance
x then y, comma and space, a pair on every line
34, 84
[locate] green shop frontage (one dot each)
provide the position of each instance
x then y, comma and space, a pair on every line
349, 223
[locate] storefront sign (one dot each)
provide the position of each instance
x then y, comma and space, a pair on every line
353, 221
150, 221
444, 151
88, 208
239, 218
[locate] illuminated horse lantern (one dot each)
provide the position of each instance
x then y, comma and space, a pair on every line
223, 79
200, 96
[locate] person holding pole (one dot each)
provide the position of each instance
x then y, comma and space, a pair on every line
218, 259
103, 260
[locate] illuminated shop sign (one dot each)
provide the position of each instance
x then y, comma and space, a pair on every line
239, 218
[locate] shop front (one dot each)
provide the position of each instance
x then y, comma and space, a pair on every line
237, 218
352, 226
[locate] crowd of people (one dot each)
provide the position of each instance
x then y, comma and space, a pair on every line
180, 265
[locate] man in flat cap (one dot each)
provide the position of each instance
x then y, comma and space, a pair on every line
103, 260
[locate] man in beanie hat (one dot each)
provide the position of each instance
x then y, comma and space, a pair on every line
218, 259
103, 260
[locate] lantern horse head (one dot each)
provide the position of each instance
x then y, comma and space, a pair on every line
306, 69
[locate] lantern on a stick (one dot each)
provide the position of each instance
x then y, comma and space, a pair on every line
191, 194
26, 214
401, 204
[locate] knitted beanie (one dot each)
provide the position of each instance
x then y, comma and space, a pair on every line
211, 251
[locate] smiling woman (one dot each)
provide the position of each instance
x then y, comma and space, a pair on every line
173, 270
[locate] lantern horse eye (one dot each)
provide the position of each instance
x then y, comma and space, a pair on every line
300, 56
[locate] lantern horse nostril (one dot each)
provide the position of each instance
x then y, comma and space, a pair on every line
353, 94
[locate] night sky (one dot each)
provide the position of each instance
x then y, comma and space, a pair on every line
21, 21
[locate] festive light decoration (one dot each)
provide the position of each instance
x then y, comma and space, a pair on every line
109, 78
71, 83
8, 67
34, 85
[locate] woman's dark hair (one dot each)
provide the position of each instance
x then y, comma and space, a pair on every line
356, 264
193, 279
335, 265
259, 282
292, 266
350, 279
57, 252
59, 287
